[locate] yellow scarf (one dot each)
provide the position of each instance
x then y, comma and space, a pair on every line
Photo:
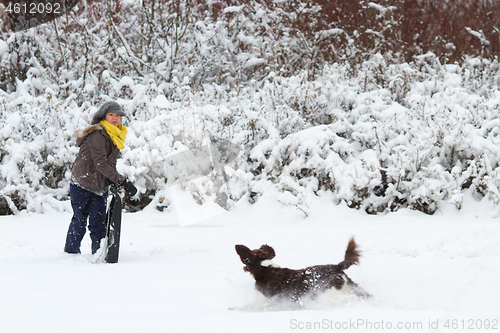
117, 133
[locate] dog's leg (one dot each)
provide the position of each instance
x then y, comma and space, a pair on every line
353, 288
258, 303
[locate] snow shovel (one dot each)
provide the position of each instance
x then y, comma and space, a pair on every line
113, 225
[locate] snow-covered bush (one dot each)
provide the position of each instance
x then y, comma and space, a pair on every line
35, 149
379, 155
379, 138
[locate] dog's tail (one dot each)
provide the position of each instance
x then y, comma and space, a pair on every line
351, 255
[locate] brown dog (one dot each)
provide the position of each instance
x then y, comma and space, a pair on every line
293, 284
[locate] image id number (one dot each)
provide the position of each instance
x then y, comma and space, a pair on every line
34, 8
471, 324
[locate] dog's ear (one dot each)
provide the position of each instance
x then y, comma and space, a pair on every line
245, 253
267, 252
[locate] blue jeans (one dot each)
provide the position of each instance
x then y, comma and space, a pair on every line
86, 205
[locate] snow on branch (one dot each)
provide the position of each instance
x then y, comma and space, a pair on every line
479, 35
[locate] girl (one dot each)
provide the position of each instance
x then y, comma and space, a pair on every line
94, 168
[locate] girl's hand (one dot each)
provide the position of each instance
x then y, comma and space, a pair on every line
129, 187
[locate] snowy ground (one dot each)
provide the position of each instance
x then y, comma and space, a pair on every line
424, 271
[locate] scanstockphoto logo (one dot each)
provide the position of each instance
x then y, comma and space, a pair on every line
18, 15
357, 324
458, 325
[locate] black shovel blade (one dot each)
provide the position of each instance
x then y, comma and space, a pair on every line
113, 228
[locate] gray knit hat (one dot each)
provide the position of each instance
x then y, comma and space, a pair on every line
106, 108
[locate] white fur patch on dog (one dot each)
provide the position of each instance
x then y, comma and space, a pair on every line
269, 263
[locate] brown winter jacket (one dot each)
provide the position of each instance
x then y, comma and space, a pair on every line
95, 164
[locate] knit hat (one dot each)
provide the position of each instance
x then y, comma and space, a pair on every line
108, 107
